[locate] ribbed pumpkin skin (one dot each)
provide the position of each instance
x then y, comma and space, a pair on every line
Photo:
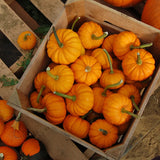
84, 99
71, 50
27, 43
85, 33
123, 3
30, 147
135, 71
41, 80
97, 138
33, 100
13, 137
76, 125
9, 153
122, 43
1, 126
101, 57
65, 81
6, 112
56, 109
151, 13
112, 108
86, 70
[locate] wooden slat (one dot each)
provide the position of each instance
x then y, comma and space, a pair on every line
5, 92
12, 25
51, 9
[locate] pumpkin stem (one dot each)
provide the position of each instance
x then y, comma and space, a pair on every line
73, 98
37, 109
109, 59
57, 39
141, 46
87, 69
75, 21
139, 61
15, 124
26, 35
134, 103
123, 110
111, 85
1, 156
104, 132
94, 37
55, 77
40, 93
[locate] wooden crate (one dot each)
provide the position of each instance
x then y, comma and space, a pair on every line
117, 23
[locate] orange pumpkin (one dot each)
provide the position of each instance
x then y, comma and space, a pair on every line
76, 125
86, 70
117, 109
108, 44
111, 76
131, 92
151, 13
64, 46
7, 153
35, 100
123, 43
27, 40
124, 3
14, 133
6, 111
103, 134
40, 83
91, 35
138, 64
79, 99
54, 108
101, 57
1, 126
60, 78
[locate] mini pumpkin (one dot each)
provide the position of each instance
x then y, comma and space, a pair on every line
33, 149
91, 35
60, 78
6, 111
7, 153
86, 70
117, 109
79, 99
27, 40
138, 64
103, 134
54, 108
64, 46
14, 133
1, 126
111, 76
76, 125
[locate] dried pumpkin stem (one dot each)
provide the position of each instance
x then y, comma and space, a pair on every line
75, 21
109, 60
15, 124
37, 110
104, 132
94, 37
55, 77
111, 85
134, 103
57, 39
1, 156
87, 69
130, 113
40, 93
26, 35
73, 98
141, 46
139, 61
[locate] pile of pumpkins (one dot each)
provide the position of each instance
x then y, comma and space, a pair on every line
92, 85
16, 143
